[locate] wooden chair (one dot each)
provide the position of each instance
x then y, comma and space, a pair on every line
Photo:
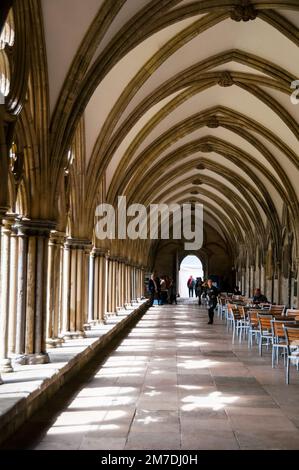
279, 342
292, 312
229, 315
277, 309
265, 331
253, 322
292, 340
243, 322
236, 322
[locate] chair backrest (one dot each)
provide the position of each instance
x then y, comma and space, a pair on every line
265, 322
278, 327
292, 312
233, 310
277, 309
291, 335
241, 311
253, 317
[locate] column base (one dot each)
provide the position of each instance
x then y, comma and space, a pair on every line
54, 342
32, 359
68, 335
5, 366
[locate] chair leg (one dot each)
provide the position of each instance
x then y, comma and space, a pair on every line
288, 371
273, 356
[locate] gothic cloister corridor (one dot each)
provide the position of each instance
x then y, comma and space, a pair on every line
149, 150
173, 383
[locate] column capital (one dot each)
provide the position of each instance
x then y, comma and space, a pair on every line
33, 227
98, 252
8, 221
57, 238
78, 243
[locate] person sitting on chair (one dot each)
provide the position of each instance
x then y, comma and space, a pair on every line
259, 297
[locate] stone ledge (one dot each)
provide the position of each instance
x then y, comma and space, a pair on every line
30, 386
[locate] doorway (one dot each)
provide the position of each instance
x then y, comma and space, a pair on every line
190, 266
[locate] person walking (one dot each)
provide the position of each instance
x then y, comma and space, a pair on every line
198, 289
212, 293
153, 289
190, 285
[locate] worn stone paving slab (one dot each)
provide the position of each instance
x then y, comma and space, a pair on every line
177, 383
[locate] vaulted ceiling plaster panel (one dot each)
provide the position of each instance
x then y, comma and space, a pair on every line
236, 67
255, 37
114, 83
290, 15
284, 99
65, 23
233, 97
289, 168
175, 194
130, 136
128, 10
223, 181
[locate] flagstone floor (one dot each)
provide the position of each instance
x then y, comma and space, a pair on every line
174, 382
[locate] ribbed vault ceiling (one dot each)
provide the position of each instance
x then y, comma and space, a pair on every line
177, 91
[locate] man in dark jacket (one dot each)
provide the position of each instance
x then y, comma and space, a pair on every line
212, 293
153, 289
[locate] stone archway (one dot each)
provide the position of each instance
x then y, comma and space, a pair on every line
190, 265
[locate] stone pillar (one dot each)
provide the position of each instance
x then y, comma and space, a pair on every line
54, 288
134, 293
105, 285
21, 293
119, 281
32, 291
5, 362
92, 286
113, 286
102, 287
75, 275
13, 293
109, 286
123, 293
129, 280
278, 276
126, 283
97, 296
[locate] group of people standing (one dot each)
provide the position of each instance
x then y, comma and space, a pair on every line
163, 289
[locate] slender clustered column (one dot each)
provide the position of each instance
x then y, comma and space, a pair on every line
5, 362
31, 324
97, 287
12, 318
75, 283
54, 289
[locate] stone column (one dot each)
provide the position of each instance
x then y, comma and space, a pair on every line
74, 287
32, 291
123, 294
5, 362
113, 286
21, 294
13, 293
129, 297
119, 283
133, 283
102, 289
54, 288
92, 286
96, 304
